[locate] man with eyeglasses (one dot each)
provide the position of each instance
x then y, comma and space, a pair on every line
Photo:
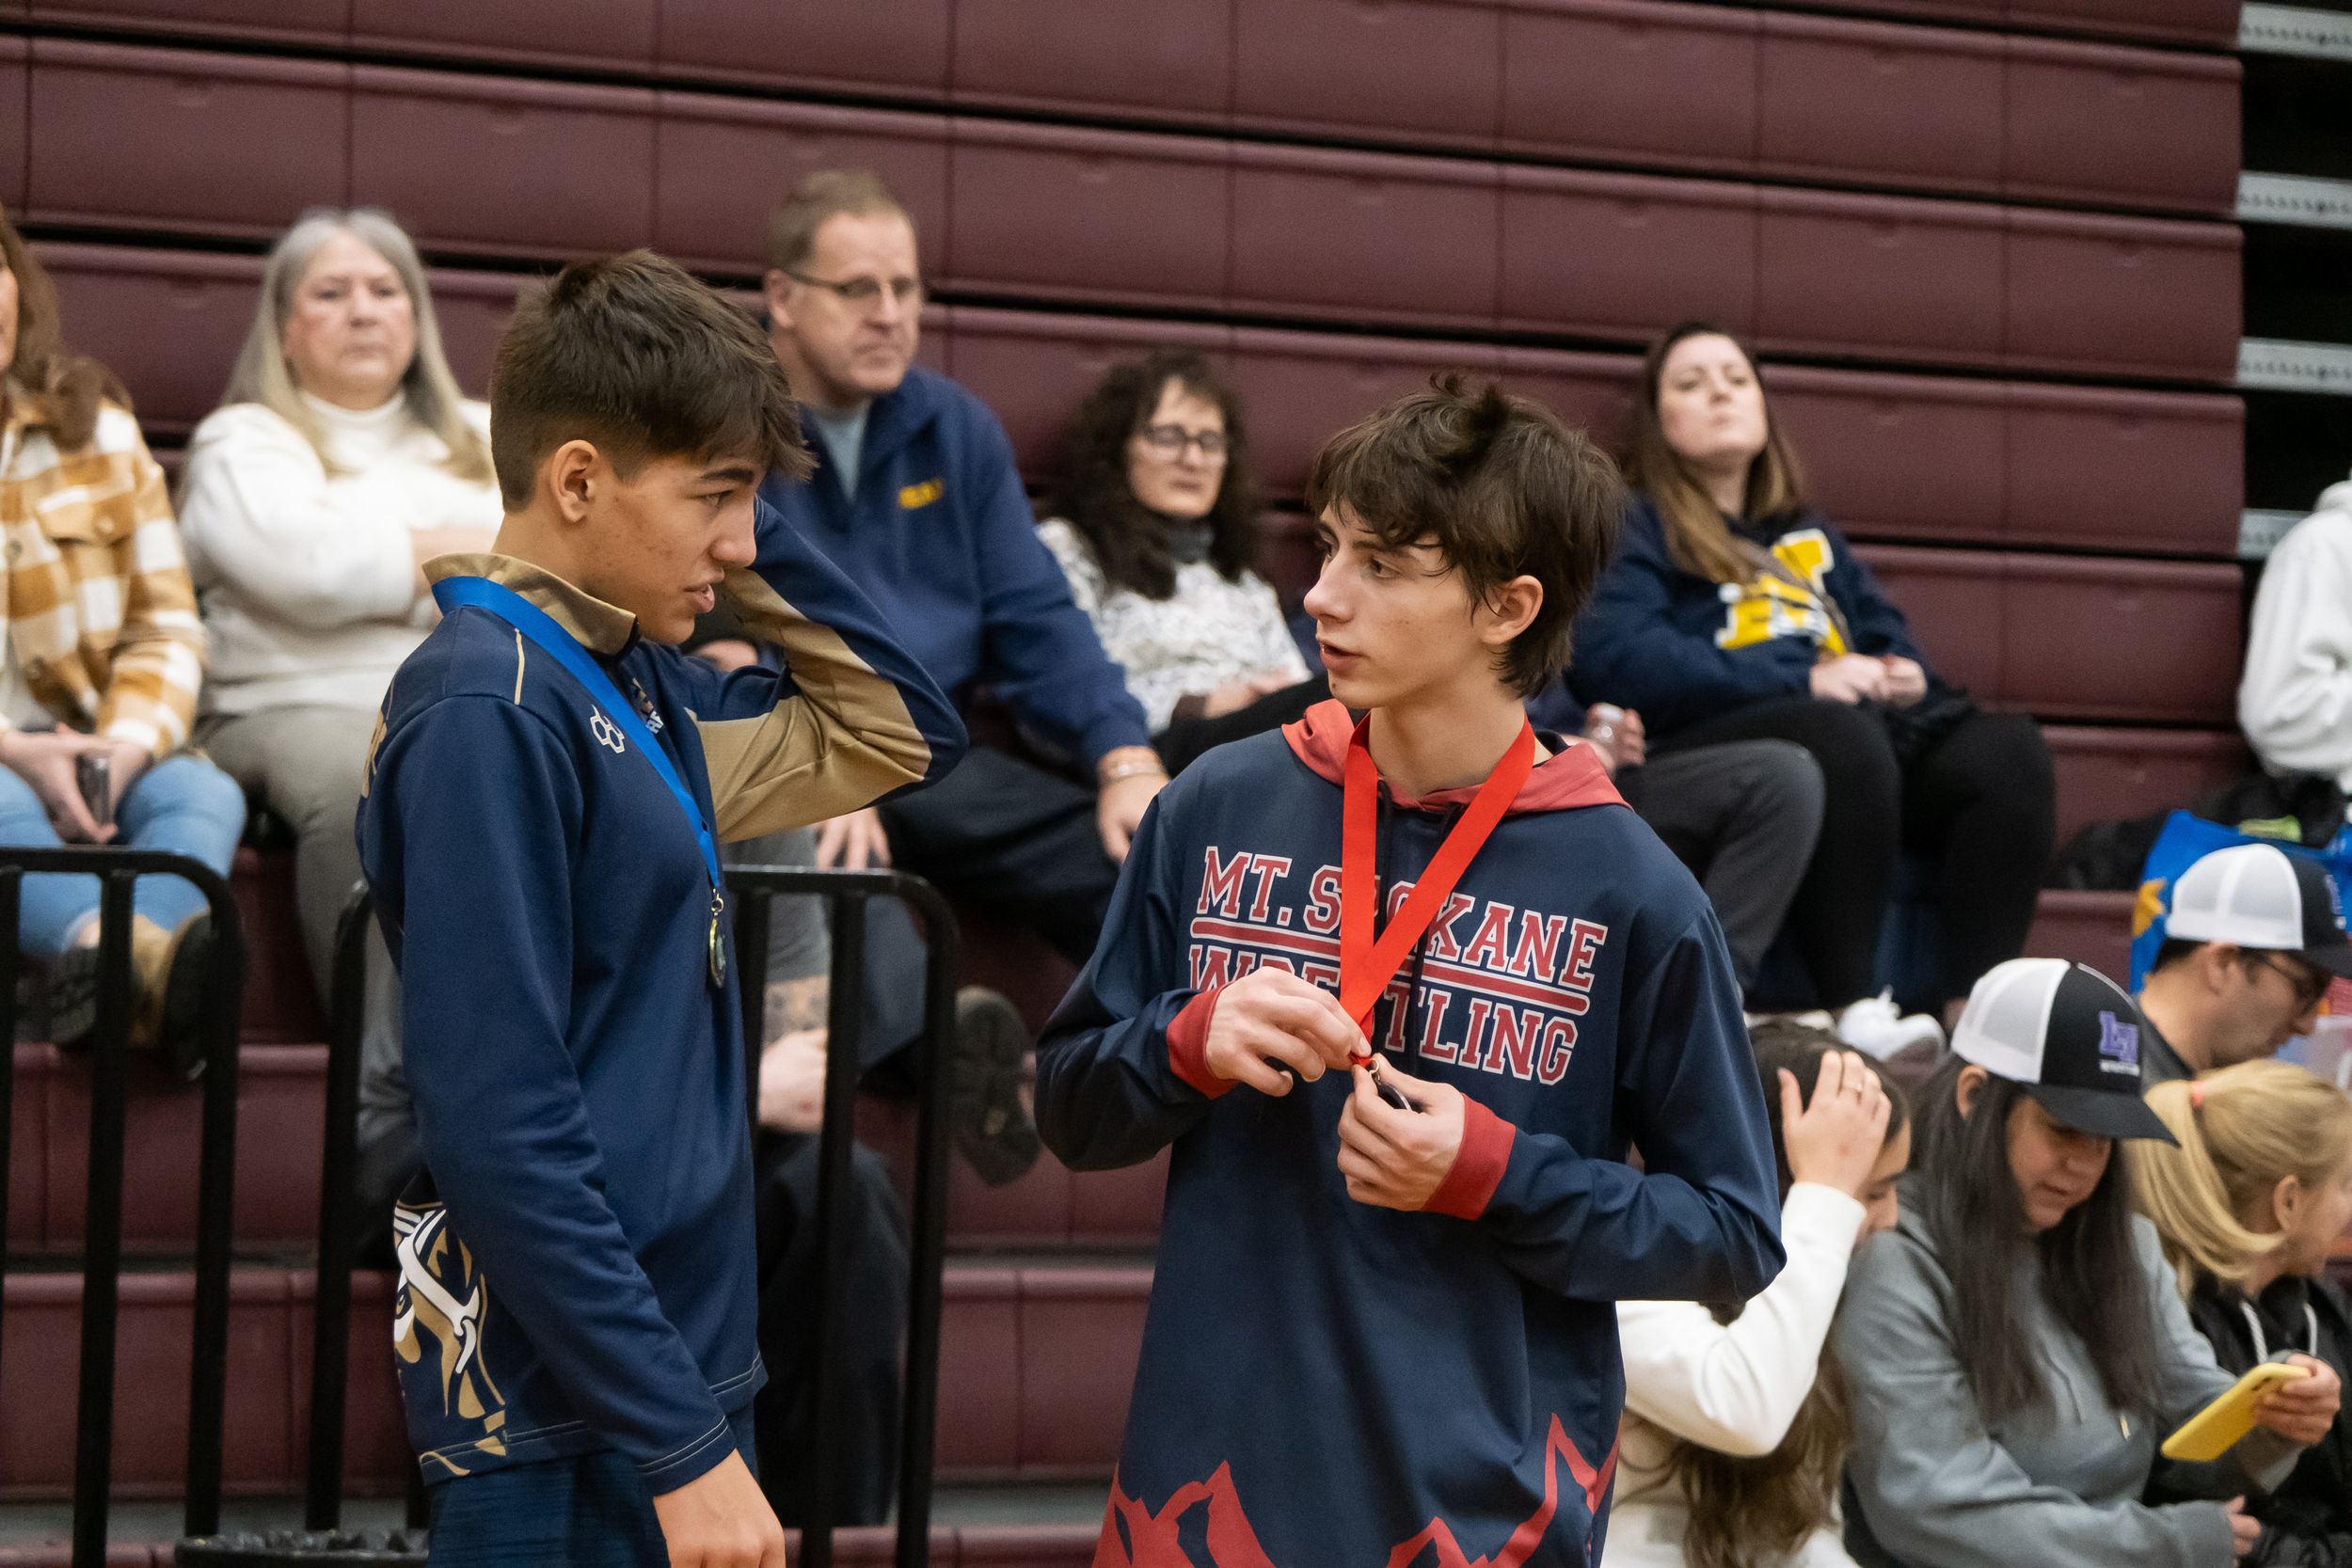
2253, 938
916, 498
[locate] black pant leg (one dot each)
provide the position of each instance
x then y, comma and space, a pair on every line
1185, 739
1745, 816
1841, 903
1982, 805
867, 1339
1001, 832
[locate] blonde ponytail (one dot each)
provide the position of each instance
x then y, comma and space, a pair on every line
2241, 1132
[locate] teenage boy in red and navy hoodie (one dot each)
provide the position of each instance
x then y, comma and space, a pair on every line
1381, 1329
577, 1319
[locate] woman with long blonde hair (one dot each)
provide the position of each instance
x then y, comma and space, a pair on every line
1737, 610
2249, 1204
343, 458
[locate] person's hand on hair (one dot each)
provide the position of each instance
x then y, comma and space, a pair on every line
1270, 1019
1395, 1159
2245, 1530
2303, 1411
1835, 1140
44, 759
1906, 682
852, 842
721, 1519
1850, 678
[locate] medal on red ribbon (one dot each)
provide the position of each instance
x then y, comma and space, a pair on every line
1369, 962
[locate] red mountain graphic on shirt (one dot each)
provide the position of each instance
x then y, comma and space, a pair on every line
1151, 1539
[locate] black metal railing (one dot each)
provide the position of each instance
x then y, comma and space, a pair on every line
845, 894
117, 871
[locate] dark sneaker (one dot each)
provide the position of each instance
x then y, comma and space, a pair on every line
168, 1014
988, 1111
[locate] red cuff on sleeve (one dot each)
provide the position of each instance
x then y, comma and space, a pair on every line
1478, 1165
1188, 1045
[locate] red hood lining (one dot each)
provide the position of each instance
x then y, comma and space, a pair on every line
1570, 777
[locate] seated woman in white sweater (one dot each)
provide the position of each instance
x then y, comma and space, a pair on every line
1735, 1432
1156, 521
343, 458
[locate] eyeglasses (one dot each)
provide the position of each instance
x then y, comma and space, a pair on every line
2310, 981
1170, 441
864, 292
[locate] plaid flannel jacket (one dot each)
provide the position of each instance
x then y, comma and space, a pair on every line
99, 609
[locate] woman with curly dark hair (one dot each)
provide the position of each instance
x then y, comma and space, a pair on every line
1154, 522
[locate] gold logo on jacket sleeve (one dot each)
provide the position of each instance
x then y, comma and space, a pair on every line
913, 496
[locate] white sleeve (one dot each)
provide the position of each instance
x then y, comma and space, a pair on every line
1736, 1387
2295, 700
258, 514
1077, 563
1277, 654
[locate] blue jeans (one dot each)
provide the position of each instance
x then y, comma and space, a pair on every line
591, 1511
183, 805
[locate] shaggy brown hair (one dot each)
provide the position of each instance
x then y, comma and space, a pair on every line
1499, 486
71, 387
1128, 540
1696, 535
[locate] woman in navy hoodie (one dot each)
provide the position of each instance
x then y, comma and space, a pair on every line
1735, 611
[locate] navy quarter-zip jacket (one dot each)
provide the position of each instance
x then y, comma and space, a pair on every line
1328, 1385
577, 1264
940, 534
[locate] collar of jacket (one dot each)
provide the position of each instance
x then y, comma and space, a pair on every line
601, 628
1571, 776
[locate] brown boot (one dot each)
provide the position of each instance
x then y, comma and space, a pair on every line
168, 968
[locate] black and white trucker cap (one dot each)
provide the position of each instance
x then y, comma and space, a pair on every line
2257, 895
2069, 1037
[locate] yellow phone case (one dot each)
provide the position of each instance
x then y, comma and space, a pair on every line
2215, 1430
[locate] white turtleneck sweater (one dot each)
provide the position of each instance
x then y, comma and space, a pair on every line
309, 578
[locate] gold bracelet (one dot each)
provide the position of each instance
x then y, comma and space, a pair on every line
1116, 771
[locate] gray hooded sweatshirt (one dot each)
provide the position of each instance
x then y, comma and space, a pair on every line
1930, 1485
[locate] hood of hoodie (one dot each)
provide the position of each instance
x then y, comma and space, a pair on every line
1572, 776
2336, 497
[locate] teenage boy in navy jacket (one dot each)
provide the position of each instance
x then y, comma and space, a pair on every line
1383, 1332
576, 1318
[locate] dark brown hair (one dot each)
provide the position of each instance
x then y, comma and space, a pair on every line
828, 193
1696, 535
1745, 1512
632, 354
1499, 486
1129, 541
69, 386
2091, 1273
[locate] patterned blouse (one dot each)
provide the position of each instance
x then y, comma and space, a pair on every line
1208, 632
98, 609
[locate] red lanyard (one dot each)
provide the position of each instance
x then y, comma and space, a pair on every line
1367, 966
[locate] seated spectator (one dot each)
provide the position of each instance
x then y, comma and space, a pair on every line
783, 1164
2015, 1347
1154, 521
343, 458
2252, 940
1735, 1432
2294, 701
101, 660
2248, 1206
1736, 610
917, 497
1743, 816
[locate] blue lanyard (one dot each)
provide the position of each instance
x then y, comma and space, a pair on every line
562, 646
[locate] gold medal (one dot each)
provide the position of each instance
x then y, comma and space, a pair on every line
718, 941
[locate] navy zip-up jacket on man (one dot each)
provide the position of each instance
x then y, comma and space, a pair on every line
1328, 1385
940, 534
577, 1265
1681, 648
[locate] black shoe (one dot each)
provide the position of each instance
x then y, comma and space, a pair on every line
987, 1064
168, 1014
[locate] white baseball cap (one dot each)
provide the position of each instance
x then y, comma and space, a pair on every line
2257, 895
2069, 1037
